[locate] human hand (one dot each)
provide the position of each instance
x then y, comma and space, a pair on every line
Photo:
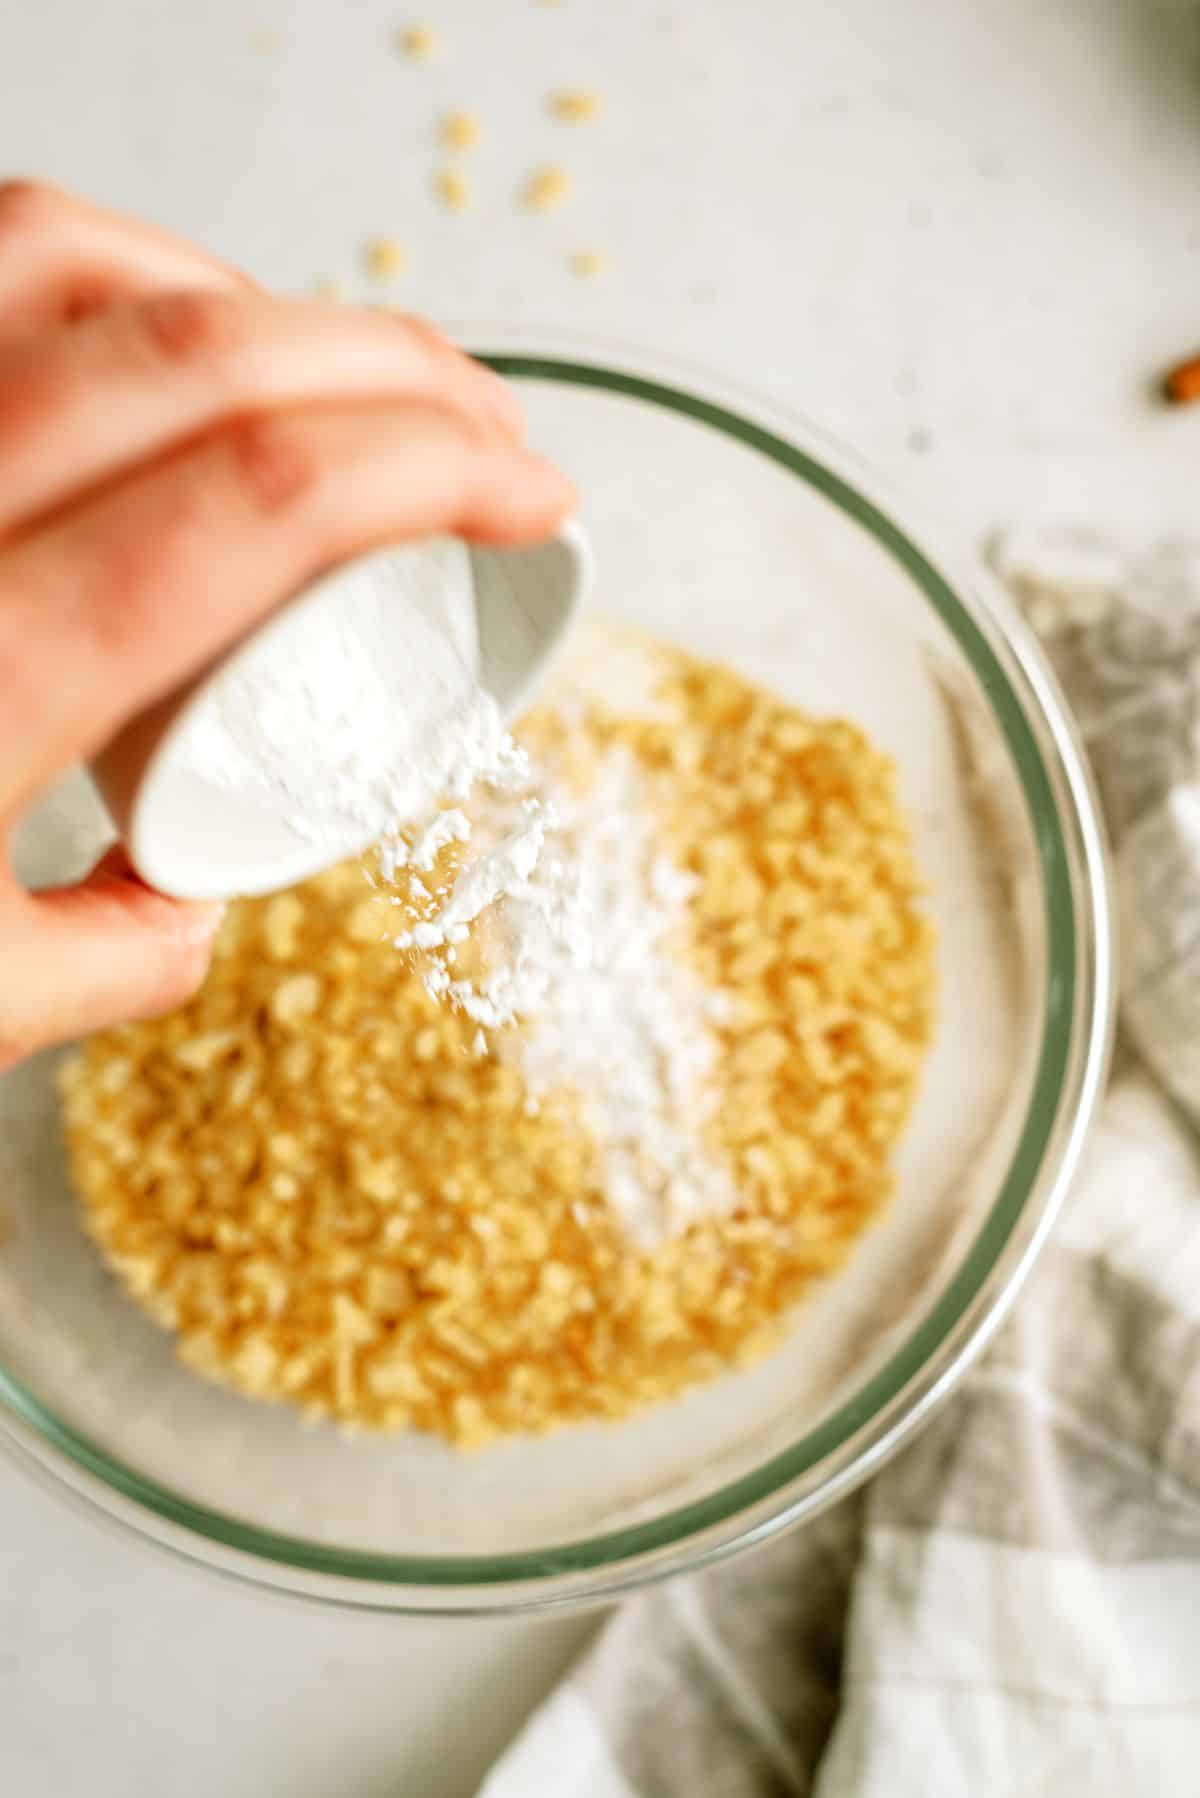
178, 453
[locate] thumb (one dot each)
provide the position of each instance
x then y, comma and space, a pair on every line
110, 949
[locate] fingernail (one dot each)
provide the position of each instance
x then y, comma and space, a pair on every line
201, 919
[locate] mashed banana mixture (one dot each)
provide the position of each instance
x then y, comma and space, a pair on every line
339, 1195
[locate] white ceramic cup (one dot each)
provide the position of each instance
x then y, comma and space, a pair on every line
199, 835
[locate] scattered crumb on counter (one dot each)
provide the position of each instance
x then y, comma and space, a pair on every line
384, 258
419, 42
547, 188
460, 131
575, 104
452, 190
588, 262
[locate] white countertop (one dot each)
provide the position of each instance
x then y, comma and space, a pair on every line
963, 237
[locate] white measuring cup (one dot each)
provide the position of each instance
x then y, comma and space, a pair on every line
192, 785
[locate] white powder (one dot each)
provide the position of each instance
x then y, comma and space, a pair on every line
348, 720
586, 953
496, 873
623, 1019
450, 826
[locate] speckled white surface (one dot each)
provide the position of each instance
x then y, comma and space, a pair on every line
962, 237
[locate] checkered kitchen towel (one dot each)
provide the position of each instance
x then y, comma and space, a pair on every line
1013, 1605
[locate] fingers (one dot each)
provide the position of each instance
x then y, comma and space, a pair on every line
105, 608
80, 406
61, 259
86, 956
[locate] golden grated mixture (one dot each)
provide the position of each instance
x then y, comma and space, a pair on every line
311, 1177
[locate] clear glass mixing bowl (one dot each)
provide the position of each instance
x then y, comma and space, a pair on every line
728, 525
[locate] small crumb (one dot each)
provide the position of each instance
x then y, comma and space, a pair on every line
384, 258
329, 288
546, 189
452, 190
264, 41
460, 131
588, 262
575, 104
419, 42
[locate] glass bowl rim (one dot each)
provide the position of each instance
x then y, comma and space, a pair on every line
867, 1427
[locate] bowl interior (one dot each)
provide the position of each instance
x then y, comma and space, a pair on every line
701, 534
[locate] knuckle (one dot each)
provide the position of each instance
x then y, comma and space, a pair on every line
26, 207
85, 297
34, 388
189, 328
276, 464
